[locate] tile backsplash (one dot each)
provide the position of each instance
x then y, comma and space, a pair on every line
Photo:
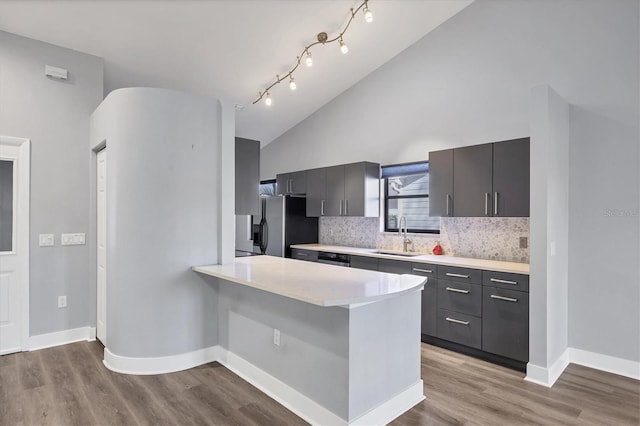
476, 237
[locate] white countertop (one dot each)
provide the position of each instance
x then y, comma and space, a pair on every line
315, 283
489, 265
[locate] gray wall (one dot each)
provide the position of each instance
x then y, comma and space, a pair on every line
55, 116
469, 82
162, 218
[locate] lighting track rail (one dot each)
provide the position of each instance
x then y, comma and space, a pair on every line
322, 38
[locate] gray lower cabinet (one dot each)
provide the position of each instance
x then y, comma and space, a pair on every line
505, 322
429, 296
364, 262
247, 172
460, 328
394, 266
301, 254
460, 297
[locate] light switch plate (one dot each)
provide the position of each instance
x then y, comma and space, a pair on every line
76, 239
46, 240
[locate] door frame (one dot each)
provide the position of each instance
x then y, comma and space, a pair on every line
21, 237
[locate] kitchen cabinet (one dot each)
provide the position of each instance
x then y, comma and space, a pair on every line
511, 169
505, 316
247, 176
294, 183
344, 190
429, 296
489, 180
364, 262
394, 266
441, 183
472, 180
301, 254
316, 192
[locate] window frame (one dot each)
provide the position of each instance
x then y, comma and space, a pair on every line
388, 197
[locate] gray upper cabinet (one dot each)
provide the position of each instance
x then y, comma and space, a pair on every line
333, 205
511, 178
247, 172
481, 180
345, 190
472, 180
294, 183
441, 183
316, 192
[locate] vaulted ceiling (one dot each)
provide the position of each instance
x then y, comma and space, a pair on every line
231, 49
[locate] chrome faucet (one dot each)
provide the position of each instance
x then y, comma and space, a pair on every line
403, 231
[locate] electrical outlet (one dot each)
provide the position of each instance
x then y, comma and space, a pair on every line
46, 240
62, 301
276, 337
523, 242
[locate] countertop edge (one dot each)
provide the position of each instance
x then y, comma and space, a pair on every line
484, 264
346, 303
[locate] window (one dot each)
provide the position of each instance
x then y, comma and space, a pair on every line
406, 193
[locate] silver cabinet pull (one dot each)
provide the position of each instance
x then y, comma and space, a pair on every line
448, 210
457, 290
486, 203
426, 271
498, 280
457, 321
346, 208
289, 186
450, 274
340, 208
506, 299
303, 254
322, 208
495, 204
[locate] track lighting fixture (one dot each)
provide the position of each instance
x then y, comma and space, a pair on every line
321, 38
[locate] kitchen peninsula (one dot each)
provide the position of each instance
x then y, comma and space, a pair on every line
335, 345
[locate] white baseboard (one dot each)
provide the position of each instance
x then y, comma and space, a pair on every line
159, 365
42, 341
547, 376
394, 407
298, 403
610, 364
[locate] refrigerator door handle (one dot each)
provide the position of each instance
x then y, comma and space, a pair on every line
264, 235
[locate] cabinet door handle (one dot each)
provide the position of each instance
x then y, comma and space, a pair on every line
495, 204
497, 280
457, 321
448, 198
288, 186
303, 254
451, 274
486, 203
346, 207
457, 290
340, 208
426, 271
506, 299
322, 208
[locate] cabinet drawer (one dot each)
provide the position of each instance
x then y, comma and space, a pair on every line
394, 266
301, 254
460, 297
364, 262
506, 280
454, 273
425, 270
460, 328
505, 322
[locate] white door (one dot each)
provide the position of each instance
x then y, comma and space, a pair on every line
101, 331
14, 244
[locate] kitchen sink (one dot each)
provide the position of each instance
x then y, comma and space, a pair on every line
397, 253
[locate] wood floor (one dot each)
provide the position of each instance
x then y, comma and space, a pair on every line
68, 385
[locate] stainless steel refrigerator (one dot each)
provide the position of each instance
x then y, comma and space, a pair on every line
282, 222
